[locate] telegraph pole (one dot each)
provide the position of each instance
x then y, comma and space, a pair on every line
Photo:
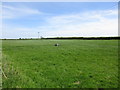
38, 35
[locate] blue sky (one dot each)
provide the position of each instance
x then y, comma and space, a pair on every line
56, 19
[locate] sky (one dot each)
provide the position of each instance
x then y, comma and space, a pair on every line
59, 19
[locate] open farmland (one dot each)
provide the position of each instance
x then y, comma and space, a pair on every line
74, 64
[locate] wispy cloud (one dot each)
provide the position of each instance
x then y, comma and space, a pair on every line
10, 12
85, 24
92, 23
82, 17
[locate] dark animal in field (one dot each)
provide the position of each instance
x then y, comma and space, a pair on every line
56, 44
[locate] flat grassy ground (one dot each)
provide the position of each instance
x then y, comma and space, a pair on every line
74, 64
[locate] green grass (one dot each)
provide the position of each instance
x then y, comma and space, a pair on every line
74, 64
0, 64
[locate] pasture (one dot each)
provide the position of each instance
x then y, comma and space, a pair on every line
73, 64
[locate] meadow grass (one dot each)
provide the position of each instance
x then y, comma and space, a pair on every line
74, 64
0, 64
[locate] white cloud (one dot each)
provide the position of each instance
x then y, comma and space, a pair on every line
10, 12
82, 17
86, 24
92, 23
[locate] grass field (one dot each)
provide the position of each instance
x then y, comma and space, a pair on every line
74, 64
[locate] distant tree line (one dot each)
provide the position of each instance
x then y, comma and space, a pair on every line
69, 38
86, 38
